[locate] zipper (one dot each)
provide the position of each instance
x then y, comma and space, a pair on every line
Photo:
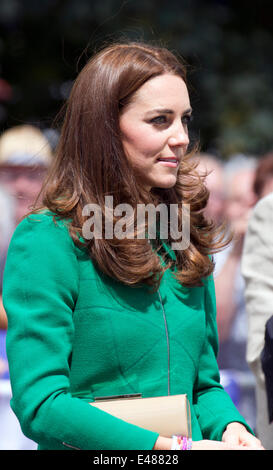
70, 447
167, 338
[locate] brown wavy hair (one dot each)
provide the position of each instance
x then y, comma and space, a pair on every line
90, 163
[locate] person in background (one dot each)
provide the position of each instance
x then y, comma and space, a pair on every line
263, 180
25, 155
257, 270
212, 166
229, 285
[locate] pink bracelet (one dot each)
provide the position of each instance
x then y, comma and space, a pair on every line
181, 443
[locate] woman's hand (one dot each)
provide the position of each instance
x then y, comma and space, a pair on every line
237, 435
165, 443
214, 445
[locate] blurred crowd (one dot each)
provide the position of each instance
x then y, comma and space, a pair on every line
235, 188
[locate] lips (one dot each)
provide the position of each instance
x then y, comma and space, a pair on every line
169, 161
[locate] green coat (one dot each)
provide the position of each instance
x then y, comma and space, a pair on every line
75, 334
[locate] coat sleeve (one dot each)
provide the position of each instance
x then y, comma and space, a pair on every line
214, 408
40, 290
257, 270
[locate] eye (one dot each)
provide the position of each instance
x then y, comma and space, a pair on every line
159, 120
187, 119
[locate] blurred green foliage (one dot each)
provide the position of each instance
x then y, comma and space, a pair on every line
227, 45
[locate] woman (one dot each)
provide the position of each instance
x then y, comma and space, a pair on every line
85, 313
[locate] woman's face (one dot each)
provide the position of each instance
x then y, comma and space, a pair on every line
154, 128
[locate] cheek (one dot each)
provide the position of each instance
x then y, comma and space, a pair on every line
143, 143
31, 187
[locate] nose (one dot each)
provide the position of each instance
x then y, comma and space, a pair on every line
21, 182
20, 185
179, 136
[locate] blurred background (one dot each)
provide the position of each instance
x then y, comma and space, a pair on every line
227, 44
228, 48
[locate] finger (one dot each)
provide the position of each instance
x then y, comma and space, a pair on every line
251, 441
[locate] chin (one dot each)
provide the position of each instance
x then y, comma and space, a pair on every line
167, 183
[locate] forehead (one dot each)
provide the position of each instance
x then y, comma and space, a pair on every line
162, 91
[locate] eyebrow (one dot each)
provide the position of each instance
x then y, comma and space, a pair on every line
168, 111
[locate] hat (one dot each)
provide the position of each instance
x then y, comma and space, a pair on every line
24, 146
